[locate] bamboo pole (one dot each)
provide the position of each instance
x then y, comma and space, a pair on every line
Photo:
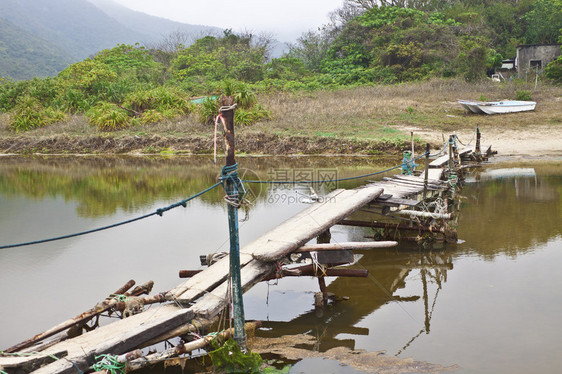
345, 246
308, 270
417, 213
450, 154
184, 348
389, 226
426, 171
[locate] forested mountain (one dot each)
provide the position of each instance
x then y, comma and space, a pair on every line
24, 55
77, 26
41, 37
154, 28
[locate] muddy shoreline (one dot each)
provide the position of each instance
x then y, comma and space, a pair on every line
539, 142
254, 143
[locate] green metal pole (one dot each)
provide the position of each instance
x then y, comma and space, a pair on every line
227, 112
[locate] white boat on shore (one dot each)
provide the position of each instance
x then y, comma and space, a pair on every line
498, 107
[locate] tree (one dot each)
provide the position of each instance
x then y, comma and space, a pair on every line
544, 22
238, 56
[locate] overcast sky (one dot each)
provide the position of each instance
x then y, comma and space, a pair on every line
285, 19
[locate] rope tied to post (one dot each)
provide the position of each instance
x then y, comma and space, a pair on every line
232, 185
409, 165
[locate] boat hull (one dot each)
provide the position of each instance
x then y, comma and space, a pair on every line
498, 107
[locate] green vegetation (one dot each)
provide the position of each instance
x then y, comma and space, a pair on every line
367, 45
554, 69
24, 56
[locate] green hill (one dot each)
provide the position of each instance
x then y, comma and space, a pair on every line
24, 55
153, 27
76, 26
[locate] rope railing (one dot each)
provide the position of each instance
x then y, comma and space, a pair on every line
412, 161
158, 212
228, 173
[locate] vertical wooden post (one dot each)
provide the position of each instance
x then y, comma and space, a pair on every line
450, 153
227, 111
412, 139
423, 272
426, 171
324, 237
478, 135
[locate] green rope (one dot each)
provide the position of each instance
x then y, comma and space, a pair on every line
109, 362
158, 212
408, 165
119, 298
3, 372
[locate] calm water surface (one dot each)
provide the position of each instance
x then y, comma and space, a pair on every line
489, 304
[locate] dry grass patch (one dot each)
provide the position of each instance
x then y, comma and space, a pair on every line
365, 120
368, 111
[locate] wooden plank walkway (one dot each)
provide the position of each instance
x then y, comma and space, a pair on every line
205, 294
207, 289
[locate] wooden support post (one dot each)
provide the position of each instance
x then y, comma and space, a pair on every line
426, 171
323, 238
450, 153
412, 139
227, 112
478, 136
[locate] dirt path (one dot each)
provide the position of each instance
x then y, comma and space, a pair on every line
538, 142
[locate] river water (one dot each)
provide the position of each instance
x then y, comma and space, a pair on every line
491, 303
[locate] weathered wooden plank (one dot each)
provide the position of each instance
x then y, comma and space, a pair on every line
217, 273
414, 179
400, 190
294, 233
394, 202
412, 184
205, 281
29, 362
435, 173
116, 338
439, 162
213, 302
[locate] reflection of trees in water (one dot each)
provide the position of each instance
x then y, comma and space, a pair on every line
103, 185
389, 271
510, 215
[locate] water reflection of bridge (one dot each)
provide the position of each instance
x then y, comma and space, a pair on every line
389, 272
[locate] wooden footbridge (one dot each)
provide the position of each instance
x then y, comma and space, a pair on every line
198, 303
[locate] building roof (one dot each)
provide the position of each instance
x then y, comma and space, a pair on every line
538, 45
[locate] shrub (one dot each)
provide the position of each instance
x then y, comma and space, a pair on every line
523, 95
159, 99
106, 116
554, 70
208, 109
29, 114
244, 97
251, 116
151, 116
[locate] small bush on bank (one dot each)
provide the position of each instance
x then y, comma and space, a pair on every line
523, 95
251, 116
160, 99
29, 114
106, 116
207, 111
